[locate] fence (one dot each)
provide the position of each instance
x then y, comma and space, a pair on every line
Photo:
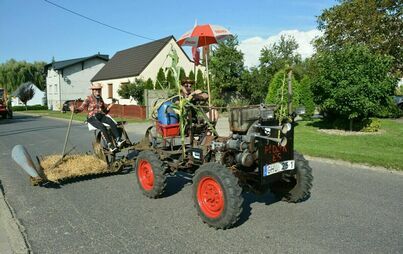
127, 111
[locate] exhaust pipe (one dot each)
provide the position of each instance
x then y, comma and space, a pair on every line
21, 156
283, 128
281, 141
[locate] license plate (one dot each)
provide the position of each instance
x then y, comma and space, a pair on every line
273, 168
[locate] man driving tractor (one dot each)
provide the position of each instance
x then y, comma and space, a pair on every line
97, 116
197, 96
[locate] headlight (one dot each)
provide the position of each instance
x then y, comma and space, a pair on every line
286, 128
300, 111
266, 114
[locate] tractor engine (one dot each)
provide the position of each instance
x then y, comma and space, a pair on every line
256, 139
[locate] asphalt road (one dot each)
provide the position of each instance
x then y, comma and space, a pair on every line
352, 210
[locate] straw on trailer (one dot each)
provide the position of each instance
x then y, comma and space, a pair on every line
72, 166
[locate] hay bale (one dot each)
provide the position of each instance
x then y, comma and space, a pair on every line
72, 166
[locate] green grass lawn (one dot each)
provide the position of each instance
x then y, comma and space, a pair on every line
78, 117
382, 149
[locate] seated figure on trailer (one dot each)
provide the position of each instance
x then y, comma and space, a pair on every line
98, 117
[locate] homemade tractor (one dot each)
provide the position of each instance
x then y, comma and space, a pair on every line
258, 156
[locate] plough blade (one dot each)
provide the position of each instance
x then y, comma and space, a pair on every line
21, 156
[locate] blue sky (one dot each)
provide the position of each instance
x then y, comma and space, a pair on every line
34, 30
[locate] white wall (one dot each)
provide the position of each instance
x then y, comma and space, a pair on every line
116, 83
74, 83
162, 61
151, 71
52, 89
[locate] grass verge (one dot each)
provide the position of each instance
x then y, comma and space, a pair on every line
376, 149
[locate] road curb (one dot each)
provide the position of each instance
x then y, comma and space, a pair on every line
12, 234
355, 165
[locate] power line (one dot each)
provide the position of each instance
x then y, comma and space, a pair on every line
98, 22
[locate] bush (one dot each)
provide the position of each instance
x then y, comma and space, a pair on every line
371, 125
33, 107
365, 125
135, 90
353, 83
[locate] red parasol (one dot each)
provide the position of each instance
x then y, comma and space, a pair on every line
204, 35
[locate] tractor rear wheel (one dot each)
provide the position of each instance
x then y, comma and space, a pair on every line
217, 196
150, 174
295, 188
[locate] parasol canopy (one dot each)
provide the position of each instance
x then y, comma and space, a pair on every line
203, 35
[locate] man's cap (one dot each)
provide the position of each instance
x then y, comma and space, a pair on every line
96, 86
187, 81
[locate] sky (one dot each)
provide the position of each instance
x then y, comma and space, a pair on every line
35, 30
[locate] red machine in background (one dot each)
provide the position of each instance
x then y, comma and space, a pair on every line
5, 105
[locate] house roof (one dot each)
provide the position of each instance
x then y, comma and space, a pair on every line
131, 62
65, 63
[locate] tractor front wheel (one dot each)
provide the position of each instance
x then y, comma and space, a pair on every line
297, 187
217, 196
150, 174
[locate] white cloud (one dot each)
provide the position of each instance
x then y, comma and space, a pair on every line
251, 47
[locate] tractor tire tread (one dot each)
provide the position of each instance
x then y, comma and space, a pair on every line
233, 195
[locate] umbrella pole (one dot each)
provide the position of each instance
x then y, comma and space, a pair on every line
208, 87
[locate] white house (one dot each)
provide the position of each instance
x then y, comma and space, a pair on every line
38, 99
142, 62
71, 79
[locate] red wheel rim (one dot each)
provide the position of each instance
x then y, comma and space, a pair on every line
210, 197
146, 175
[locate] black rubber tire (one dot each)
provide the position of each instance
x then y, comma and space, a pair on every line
160, 179
103, 148
232, 194
295, 188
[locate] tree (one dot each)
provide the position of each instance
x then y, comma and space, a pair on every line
353, 83
278, 90
13, 73
25, 93
376, 24
161, 79
135, 90
306, 95
278, 56
149, 84
182, 74
253, 85
171, 80
226, 67
192, 75
200, 84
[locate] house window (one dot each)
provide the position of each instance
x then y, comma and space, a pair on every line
110, 91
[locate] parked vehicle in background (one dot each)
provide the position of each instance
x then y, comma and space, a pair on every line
399, 101
66, 105
5, 105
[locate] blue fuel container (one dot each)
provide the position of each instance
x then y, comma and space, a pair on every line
166, 115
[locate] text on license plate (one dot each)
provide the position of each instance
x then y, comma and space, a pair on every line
273, 168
